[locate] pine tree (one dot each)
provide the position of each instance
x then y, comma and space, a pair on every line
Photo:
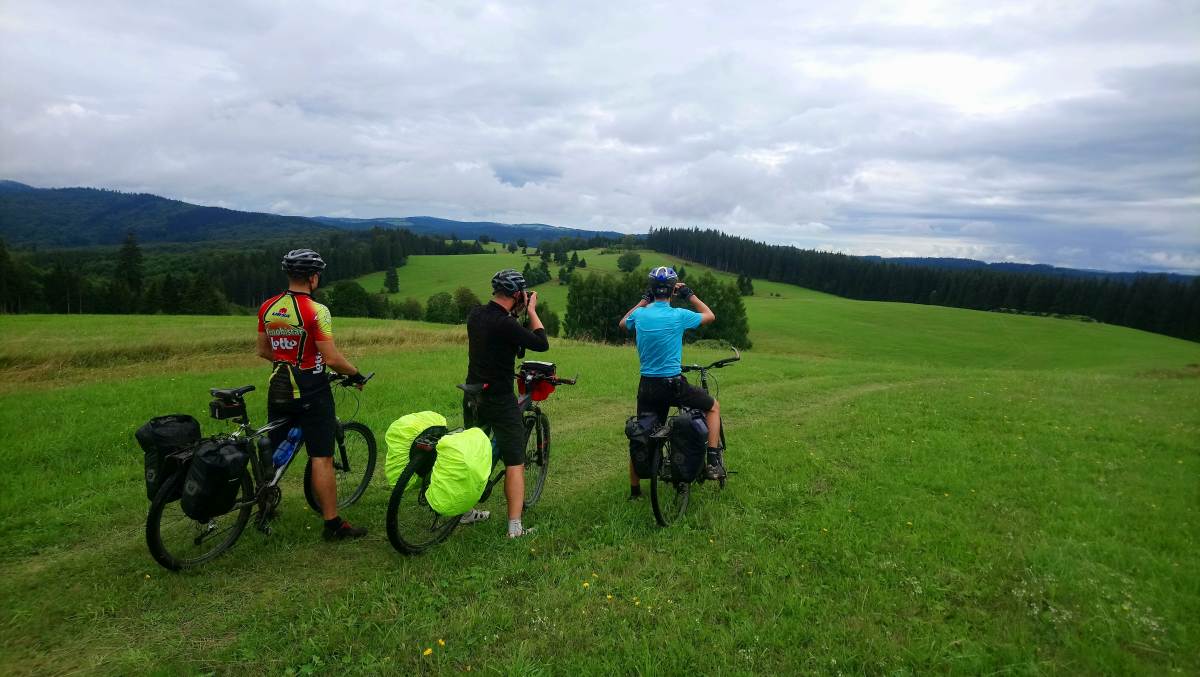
129, 264
391, 281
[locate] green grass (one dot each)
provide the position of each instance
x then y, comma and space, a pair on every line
919, 489
424, 276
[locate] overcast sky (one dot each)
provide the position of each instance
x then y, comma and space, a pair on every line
1055, 132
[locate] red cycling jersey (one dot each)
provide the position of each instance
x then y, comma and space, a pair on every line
293, 323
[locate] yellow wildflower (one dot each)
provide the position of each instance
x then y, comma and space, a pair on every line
441, 642
427, 651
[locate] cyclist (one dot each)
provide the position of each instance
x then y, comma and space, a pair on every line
495, 339
660, 328
296, 334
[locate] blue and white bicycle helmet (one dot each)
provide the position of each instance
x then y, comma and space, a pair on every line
662, 281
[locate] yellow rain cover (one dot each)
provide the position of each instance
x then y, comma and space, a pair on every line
460, 472
400, 436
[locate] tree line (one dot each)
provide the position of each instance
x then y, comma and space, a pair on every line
1150, 302
597, 302
201, 278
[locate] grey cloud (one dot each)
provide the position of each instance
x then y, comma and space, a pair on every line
1022, 131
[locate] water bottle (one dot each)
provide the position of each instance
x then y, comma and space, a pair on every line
286, 448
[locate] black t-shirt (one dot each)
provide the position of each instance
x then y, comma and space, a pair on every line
493, 339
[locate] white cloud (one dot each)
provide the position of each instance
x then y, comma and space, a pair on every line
1043, 131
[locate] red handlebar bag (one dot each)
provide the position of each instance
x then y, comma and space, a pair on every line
541, 389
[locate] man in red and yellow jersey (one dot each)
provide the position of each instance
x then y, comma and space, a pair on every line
296, 334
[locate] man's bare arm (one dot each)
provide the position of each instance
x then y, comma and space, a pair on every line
334, 358
264, 348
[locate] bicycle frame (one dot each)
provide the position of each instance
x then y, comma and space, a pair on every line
246, 431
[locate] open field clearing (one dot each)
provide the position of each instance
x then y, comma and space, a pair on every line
424, 276
919, 489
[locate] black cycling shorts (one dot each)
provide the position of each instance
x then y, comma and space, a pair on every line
658, 394
315, 416
499, 412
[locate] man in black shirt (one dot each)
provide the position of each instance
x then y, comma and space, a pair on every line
495, 339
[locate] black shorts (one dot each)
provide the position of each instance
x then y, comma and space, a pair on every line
658, 394
314, 415
499, 412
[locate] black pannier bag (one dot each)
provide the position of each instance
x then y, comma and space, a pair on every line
643, 450
689, 444
160, 438
214, 478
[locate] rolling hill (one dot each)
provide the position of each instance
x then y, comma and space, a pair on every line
533, 233
920, 489
71, 217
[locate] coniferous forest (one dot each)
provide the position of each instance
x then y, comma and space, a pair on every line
195, 278
1150, 302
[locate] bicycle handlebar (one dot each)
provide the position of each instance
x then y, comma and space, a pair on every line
737, 355
343, 380
554, 380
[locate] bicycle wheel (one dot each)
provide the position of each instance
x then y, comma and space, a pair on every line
177, 541
353, 465
537, 455
721, 482
668, 497
412, 525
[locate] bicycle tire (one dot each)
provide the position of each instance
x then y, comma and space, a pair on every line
668, 497
166, 502
537, 456
350, 487
721, 482
407, 510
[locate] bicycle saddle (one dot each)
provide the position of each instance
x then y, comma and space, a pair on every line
472, 388
230, 393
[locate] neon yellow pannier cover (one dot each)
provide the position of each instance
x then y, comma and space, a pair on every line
400, 436
460, 472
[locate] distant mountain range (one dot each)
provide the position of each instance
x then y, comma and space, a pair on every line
532, 233
74, 217
1031, 268
78, 217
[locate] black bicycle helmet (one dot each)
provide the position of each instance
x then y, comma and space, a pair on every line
302, 262
509, 282
662, 281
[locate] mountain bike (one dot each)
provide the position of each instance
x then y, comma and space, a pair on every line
412, 525
668, 495
177, 541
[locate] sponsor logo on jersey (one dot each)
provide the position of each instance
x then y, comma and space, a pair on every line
284, 331
284, 344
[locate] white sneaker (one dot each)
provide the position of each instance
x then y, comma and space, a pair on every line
474, 516
525, 531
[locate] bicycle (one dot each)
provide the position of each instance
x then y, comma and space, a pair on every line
178, 542
668, 495
412, 525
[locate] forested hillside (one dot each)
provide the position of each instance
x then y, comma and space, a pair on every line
198, 279
1151, 302
71, 217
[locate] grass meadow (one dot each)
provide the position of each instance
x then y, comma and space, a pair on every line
919, 489
424, 276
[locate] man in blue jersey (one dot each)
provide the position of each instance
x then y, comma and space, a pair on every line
660, 328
